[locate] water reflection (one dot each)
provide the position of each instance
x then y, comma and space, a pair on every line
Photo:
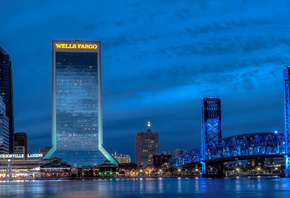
226, 188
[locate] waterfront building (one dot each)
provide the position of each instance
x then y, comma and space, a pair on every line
178, 152
274, 162
77, 127
6, 91
21, 168
122, 159
108, 169
146, 144
4, 129
54, 168
20, 140
158, 160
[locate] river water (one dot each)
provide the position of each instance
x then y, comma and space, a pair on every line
243, 187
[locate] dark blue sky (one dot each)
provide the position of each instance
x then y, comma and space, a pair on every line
158, 59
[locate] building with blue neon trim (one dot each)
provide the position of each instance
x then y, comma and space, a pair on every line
77, 131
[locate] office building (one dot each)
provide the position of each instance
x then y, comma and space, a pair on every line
20, 140
274, 162
178, 152
6, 91
122, 159
19, 150
165, 152
44, 151
4, 129
157, 161
77, 127
146, 143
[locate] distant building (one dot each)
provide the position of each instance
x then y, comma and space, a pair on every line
19, 150
43, 151
275, 161
4, 128
146, 143
158, 160
20, 139
122, 159
178, 152
6, 91
166, 152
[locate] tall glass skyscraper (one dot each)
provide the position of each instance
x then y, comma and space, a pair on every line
4, 129
6, 91
77, 132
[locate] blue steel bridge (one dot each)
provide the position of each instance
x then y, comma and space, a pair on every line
215, 150
239, 147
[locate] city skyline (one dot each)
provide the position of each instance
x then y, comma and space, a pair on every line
156, 73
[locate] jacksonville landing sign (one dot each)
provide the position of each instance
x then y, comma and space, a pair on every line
76, 46
19, 156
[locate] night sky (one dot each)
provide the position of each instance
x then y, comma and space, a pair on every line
158, 59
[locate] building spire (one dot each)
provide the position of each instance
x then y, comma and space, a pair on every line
148, 126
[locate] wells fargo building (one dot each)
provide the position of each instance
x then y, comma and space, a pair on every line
77, 132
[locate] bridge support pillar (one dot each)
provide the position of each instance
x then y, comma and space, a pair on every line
203, 169
211, 130
287, 166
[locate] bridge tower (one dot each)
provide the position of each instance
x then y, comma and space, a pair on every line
211, 128
287, 118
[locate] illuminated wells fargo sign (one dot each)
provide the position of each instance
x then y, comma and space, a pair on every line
76, 46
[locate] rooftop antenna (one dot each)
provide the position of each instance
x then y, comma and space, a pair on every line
148, 126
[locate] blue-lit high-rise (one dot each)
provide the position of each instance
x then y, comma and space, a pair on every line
77, 132
6, 91
4, 129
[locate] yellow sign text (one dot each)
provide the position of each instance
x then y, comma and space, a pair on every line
76, 46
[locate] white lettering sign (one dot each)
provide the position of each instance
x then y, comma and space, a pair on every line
34, 155
19, 156
9, 156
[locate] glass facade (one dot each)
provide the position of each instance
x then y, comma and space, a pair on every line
76, 101
6, 91
77, 130
4, 129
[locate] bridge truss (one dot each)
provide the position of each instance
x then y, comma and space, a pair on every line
236, 147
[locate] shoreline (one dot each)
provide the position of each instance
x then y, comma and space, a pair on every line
136, 177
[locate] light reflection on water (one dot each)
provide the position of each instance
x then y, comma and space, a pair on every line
174, 187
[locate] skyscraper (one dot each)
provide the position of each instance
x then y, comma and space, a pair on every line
146, 144
6, 91
77, 131
4, 129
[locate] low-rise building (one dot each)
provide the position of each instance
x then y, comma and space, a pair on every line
178, 152
54, 168
122, 159
107, 169
43, 151
158, 160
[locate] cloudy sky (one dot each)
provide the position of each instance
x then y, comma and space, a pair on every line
158, 59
